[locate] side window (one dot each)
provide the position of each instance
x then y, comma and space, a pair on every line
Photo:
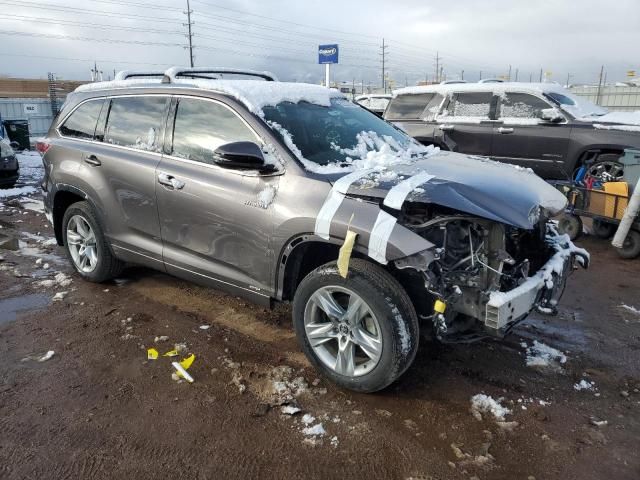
136, 122
82, 122
202, 126
433, 107
408, 106
522, 105
364, 102
470, 105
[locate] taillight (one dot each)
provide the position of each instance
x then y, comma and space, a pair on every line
42, 146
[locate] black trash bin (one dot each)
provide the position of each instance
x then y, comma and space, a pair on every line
18, 131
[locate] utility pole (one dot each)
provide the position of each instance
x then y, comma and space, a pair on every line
530, 77
516, 74
541, 75
438, 58
462, 75
480, 75
568, 77
190, 33
383, 50
599, 85
509, 76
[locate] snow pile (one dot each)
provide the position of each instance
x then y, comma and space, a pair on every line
540, 355
257, 94
584, 385
482, 403
285, 389
544, 277
371, 151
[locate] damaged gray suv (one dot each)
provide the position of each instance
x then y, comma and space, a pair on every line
288, 192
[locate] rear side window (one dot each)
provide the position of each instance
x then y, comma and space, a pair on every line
408, 106
433, 107
82, 122
522, 105
471, 105
136, 122
202, 126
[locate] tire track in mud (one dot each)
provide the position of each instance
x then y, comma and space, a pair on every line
206, 304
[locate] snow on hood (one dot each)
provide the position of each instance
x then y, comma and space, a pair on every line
620, 118
474, 185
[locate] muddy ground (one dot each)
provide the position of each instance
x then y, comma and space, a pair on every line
98, 408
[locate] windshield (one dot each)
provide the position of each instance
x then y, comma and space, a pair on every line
576, 106
332, 139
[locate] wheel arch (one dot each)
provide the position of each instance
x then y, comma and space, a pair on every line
65, 196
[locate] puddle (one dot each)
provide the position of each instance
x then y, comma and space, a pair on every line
10, 307
563, 333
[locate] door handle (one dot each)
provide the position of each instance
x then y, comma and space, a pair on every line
170, 181
505, 130
92, 160
446, 128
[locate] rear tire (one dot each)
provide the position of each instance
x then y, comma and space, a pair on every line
571, 225
86, 245
631, 247
602, 229
386, 325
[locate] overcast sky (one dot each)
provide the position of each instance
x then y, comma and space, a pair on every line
559, 36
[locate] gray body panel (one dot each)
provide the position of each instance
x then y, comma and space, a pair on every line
215, 231
552, 150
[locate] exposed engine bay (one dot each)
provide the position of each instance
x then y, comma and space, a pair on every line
478, 262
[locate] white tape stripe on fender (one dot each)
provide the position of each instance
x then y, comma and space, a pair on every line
334, 200
398, 194
380, 236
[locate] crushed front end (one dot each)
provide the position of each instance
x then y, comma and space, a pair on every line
483, 277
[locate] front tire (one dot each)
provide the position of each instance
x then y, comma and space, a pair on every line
360, 332
631, 246
602, 229
86, 245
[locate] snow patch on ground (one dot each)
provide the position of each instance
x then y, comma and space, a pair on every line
482, 403
584, 385
12, 192
630, 308
540, 355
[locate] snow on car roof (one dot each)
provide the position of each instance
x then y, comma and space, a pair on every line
481, 87
254, 94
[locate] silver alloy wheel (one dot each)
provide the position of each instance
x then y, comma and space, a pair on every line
342, 330
81, 242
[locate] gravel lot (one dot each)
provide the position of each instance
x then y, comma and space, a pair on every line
567, 407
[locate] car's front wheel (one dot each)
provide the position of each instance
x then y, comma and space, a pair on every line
86, 244
361, 332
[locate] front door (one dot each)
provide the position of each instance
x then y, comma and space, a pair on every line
216, 223
523, 138
465, 125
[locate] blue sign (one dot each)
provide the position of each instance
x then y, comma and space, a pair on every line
327, 54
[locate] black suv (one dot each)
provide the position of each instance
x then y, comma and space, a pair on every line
540, 126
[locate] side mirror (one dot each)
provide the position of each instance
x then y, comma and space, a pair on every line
240, 156
15, 145
552, 115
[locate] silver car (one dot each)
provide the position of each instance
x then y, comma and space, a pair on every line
287, 192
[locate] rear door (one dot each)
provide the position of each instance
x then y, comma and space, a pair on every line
119, 165
216, 223
523, 138
466, 124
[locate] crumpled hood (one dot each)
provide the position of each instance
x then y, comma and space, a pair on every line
474, 185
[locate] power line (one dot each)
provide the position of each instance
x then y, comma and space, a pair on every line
72, 23
89, 39
45, 6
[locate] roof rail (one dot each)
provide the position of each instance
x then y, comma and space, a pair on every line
174, 72
127, 74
